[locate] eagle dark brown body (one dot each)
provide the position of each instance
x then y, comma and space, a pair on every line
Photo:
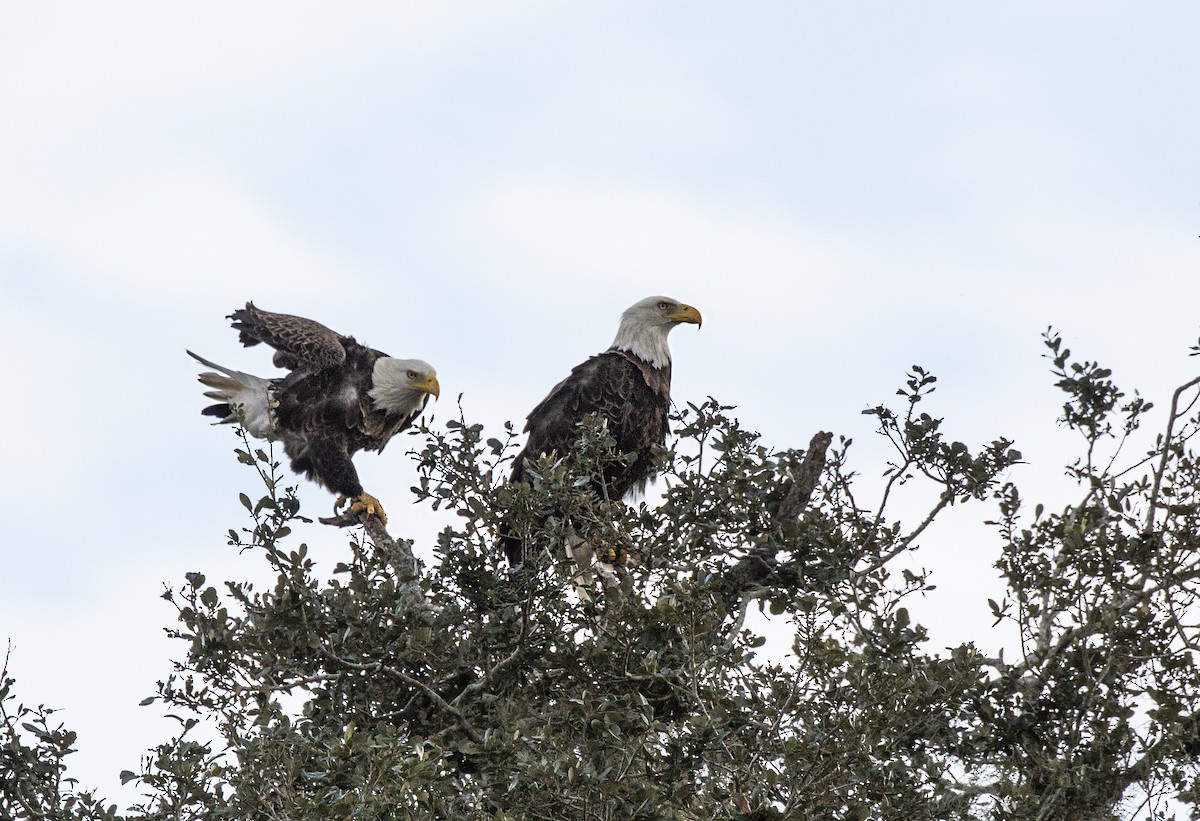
634, 399
323, 419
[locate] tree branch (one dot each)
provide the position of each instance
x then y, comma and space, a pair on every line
1166, 451
399, 553
380, 667
747, 578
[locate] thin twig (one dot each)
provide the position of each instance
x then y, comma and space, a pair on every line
1166, 451
946, 498
380, 667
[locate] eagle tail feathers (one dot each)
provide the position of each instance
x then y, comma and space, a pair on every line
233, 390
222, 411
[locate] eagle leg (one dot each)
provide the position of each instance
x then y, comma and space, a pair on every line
363, 503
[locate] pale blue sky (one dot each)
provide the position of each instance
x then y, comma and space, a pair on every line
842, 189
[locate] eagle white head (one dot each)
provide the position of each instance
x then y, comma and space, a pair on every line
645, 325
402, 386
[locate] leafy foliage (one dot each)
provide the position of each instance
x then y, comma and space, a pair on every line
384, 689
33, 749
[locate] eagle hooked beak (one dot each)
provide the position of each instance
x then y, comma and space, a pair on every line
430, 385
686, 313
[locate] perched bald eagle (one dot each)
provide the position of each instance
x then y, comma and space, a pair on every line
340, 397
628, 387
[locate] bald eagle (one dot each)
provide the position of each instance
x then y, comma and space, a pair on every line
340, 397
627, 387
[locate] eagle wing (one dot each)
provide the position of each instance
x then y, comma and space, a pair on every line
633, 398
612, 386
300, 344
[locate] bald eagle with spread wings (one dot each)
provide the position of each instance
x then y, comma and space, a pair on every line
627, 388
340, 397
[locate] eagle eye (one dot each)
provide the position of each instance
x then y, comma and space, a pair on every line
662, 306
412, 374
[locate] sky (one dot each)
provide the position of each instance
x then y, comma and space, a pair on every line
843, 190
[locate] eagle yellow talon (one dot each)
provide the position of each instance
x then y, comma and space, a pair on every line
616, 556
365, 503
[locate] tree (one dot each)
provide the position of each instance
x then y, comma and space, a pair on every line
33, 749
385, 689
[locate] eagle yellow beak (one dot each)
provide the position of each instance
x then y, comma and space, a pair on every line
686, 313
430, 385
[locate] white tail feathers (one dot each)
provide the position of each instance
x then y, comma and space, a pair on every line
234, 390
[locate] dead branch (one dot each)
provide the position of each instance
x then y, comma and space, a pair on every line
399, 554
761, 566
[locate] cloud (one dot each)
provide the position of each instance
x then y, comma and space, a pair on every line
78, 60
39, 413
631, 233
186, 233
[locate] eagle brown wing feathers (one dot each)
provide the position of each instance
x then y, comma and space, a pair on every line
632, 398
299, 343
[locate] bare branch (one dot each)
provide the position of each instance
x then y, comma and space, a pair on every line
380, 667
1166, 451
755, 570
